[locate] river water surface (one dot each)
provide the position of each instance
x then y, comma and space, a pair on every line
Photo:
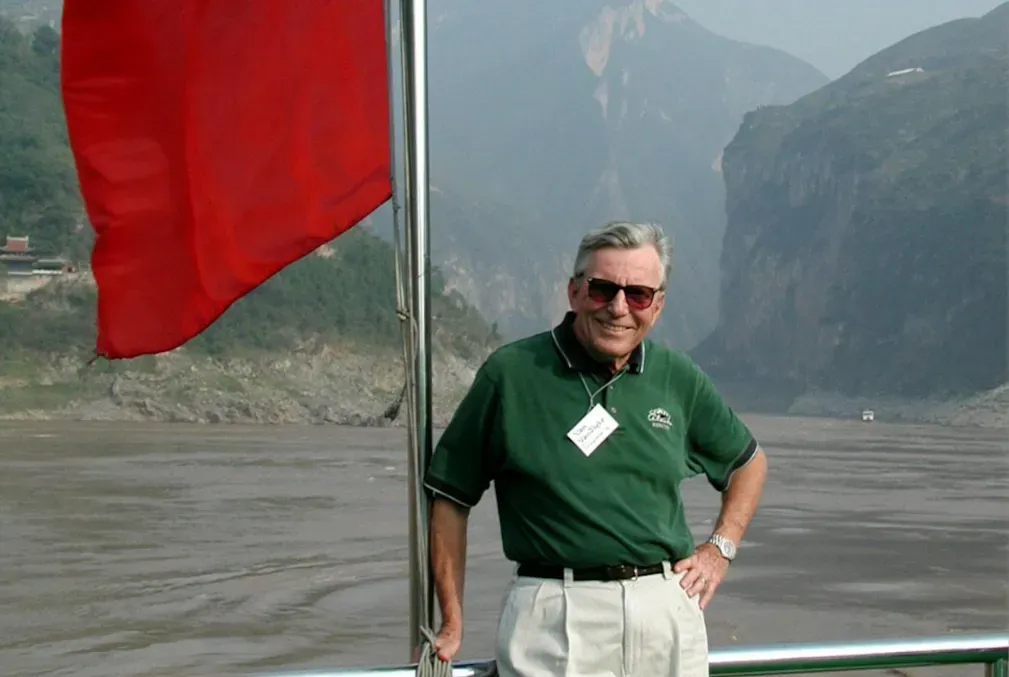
169, 550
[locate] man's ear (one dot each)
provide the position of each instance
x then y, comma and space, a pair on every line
660, 305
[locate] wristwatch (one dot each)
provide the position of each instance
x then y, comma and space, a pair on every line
724, 545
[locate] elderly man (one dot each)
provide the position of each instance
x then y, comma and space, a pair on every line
587, 431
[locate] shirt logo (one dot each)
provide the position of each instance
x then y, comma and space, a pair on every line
660, 418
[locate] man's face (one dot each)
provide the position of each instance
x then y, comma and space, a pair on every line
612, 325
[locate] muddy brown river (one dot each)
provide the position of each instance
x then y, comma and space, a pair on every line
169, 550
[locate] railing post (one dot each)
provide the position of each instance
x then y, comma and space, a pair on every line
997, 668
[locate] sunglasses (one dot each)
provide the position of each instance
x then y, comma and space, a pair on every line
639, 297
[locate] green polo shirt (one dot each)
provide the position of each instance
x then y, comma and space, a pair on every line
620, 504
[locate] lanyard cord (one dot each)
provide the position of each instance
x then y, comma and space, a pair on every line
592, 395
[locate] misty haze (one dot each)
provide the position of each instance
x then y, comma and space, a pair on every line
835, 179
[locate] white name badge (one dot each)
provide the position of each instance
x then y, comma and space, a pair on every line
593, 430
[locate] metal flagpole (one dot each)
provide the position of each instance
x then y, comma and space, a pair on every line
413, 19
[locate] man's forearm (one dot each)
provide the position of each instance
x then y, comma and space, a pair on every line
740, 500
448, 556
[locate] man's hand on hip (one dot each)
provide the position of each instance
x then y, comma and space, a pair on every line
705, 571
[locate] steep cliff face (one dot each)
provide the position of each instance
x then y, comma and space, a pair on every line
865, 251
548, 120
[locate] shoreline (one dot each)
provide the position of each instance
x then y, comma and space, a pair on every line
989, 409
336, 385
229, 411
350, 385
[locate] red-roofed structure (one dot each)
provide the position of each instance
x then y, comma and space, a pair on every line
18, 256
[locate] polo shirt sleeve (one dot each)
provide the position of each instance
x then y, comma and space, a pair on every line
461, 466
719, 443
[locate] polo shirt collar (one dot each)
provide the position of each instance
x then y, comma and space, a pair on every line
574, 355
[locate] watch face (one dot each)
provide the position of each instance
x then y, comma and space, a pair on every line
725, 546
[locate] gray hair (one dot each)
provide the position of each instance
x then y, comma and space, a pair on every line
625, 235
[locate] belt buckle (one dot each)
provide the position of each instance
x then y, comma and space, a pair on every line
623, 572
626, 572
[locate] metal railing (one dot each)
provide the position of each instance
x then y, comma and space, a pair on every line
991, 651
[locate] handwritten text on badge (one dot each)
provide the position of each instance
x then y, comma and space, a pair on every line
593, 430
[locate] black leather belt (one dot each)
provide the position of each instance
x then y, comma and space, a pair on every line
621, 572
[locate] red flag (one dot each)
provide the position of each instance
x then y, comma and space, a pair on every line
217, 142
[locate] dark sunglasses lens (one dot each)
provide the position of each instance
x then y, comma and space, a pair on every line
602, 291
638, 297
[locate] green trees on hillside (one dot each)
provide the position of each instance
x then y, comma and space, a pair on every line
349, 294
38, 187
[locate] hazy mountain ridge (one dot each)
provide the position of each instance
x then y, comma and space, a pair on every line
865, 252
31, 14
574, 118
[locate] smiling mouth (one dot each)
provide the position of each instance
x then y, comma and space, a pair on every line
614, 328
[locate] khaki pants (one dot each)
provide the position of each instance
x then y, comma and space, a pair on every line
647, 627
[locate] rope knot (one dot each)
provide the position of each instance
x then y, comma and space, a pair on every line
429, 665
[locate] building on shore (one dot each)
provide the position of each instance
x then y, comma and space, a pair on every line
17, 256
23, 271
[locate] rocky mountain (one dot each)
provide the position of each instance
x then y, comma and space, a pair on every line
865, 251
550, 119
